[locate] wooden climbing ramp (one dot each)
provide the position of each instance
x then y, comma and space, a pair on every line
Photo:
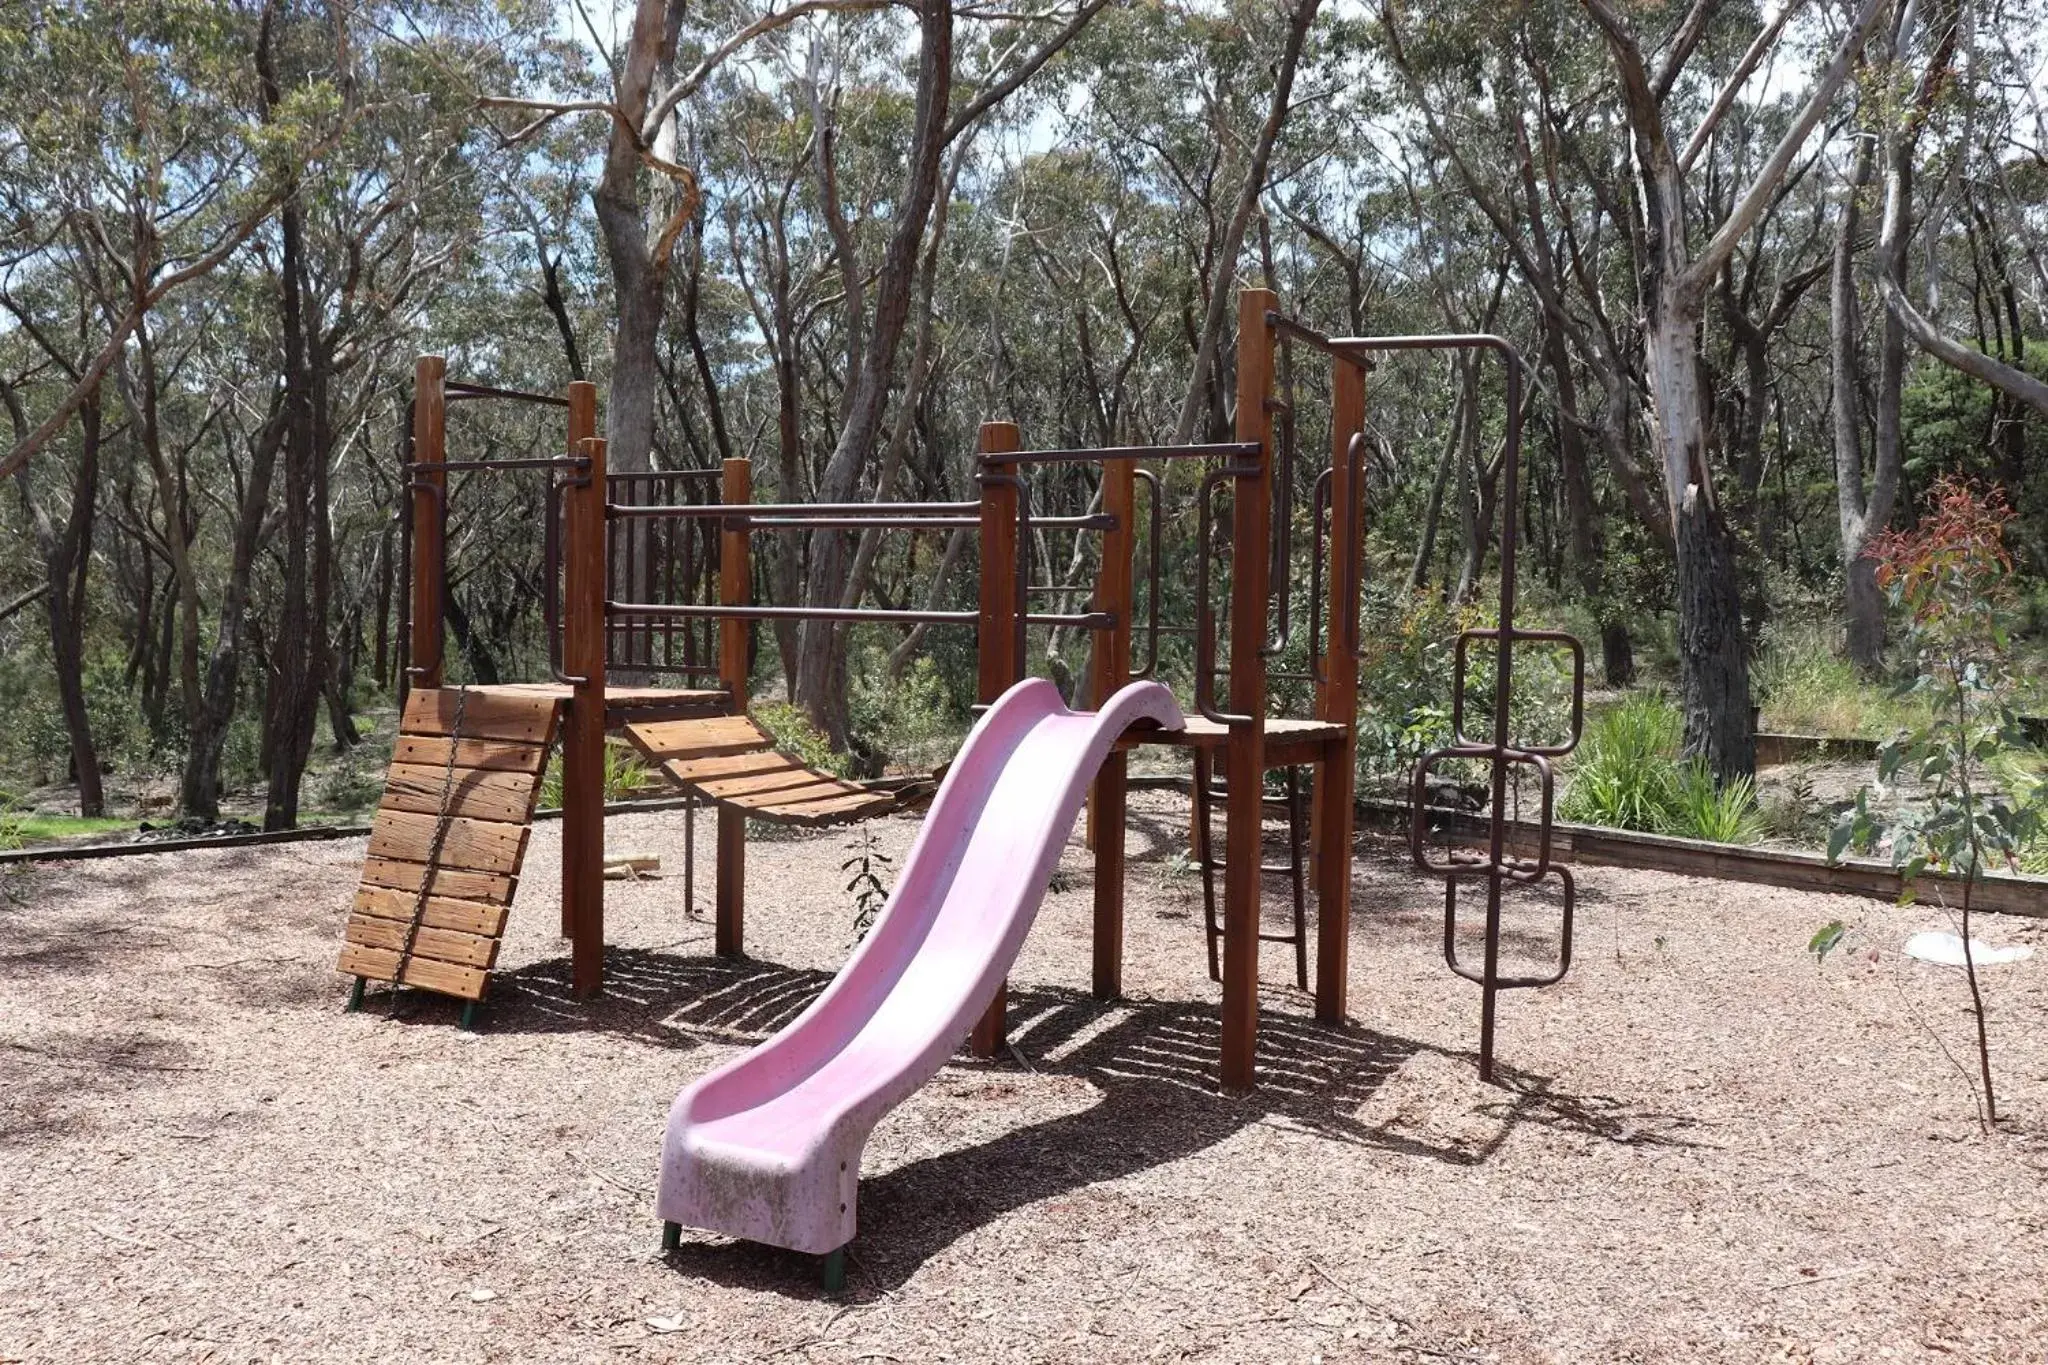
733, 761
430, 910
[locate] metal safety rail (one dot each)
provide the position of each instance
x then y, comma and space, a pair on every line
425, 481
750, 517
661, 560
1497, 868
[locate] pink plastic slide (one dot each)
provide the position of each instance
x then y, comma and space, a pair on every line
768, 1146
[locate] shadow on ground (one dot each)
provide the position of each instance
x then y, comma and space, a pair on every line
1153, 1064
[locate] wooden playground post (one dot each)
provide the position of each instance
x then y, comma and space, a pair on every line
430, 487
1244, 752
736, 488
580, 882
1112, 669
996, 630
1337, 697
583, 641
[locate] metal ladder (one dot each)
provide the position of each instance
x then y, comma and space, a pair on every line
1207, 793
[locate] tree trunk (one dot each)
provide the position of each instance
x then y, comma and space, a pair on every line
67, 553
1202, 387
821, 663
1713, 650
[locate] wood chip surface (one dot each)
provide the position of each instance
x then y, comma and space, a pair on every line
1706, 1149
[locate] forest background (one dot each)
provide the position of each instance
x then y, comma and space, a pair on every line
1776, 269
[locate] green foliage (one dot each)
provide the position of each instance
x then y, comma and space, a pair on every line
1952, 425
913, 722
31, 827
1825, 940
625, 776
1627, 774
1806, 688
1724, 813
355, 781
1950, 576
795, 735
1407, 671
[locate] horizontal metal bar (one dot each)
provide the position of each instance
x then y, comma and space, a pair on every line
1091, 620
1225, 450
457, 389
794, 509
535, 462
714, 611
1087, 620
755, 523
648, 475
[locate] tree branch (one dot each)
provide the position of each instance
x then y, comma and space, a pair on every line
2009, 380
1761, 190
1025, 70
1725, 101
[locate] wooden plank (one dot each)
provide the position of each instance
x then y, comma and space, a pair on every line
668, 740
442, 945
492, 755
477, 793
485, 715
729, 765
399, 875
441, 912
811, 790
765, 784
473, 845
1112, 664
381, 964
842, 806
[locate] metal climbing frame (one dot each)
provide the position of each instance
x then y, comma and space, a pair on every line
1498, 868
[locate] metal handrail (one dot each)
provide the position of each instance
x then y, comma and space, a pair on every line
456, 390
1225, 450
1093, 620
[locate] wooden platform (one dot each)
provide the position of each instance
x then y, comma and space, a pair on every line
488, 796
733, 761
624, 705
1288, 741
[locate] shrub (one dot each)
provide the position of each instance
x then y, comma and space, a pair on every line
1625, 774
1628, 775
1720, 813
794, 734
1952, 576
625, 775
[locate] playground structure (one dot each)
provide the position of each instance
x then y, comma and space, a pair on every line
652, 572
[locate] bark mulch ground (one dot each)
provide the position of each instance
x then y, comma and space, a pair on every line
1706, 1147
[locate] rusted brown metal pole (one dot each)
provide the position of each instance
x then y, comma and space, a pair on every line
429, 496
1245, 749
1112, 669
1337, 692
580, 882
583, 634
996, 626
734, 587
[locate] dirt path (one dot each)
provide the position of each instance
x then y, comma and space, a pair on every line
1708, 1150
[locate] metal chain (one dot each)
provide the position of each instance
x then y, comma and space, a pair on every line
441, 823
